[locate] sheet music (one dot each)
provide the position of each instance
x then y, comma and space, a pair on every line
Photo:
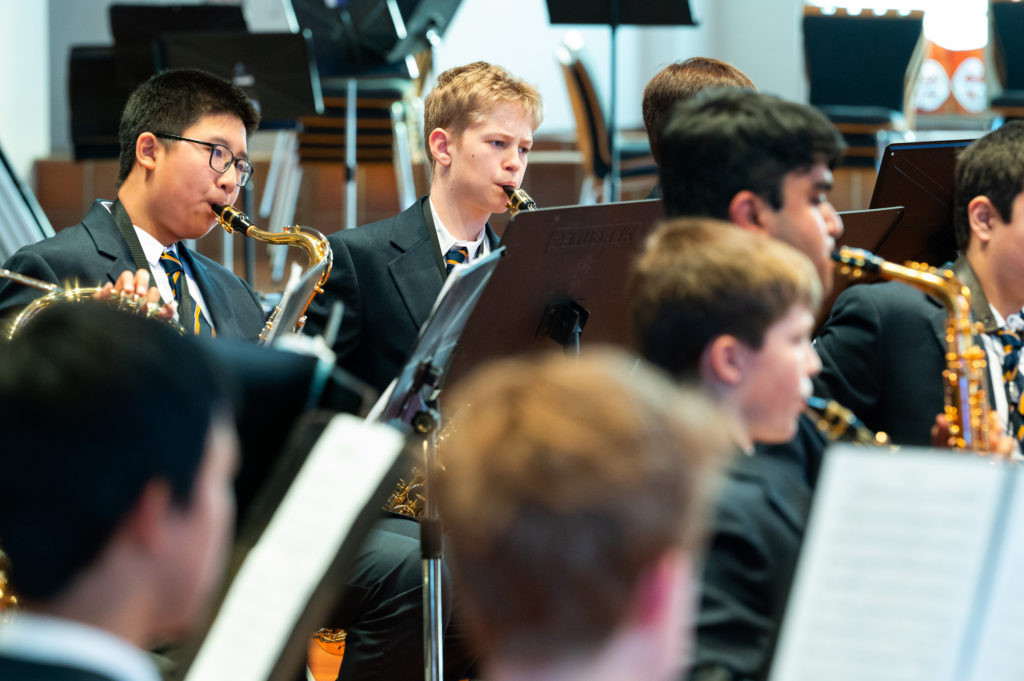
281, 571
890, 566
1000, 634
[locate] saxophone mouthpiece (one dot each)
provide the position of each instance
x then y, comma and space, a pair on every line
231, 219
518, 200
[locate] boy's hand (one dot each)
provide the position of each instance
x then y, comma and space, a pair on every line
137, 286
1000, 445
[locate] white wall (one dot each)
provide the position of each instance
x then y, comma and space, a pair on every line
761, 37
24, 72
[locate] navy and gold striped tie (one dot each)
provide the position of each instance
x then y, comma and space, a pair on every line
189, 313
456, 256
1012, 344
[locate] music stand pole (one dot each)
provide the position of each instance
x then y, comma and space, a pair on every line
425, 422
352, 98
613, 148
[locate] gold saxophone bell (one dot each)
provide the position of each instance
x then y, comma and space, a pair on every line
966, 405
315, 244
518, 200
134, 303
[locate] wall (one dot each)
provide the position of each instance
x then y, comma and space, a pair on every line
24, 72
761, 37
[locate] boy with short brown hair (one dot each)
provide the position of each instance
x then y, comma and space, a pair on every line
735, 308
573, 500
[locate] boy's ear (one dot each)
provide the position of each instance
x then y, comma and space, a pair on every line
145, 150
658, 590
982, 217
146, 522
745, 210
724, 359
440, 141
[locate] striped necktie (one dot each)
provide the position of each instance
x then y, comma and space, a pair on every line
189, 313
456, 256
1011, 341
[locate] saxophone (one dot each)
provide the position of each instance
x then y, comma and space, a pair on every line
518, 200
966, 405
839, 424
318, 266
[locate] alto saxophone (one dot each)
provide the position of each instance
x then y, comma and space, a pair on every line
318, 253
966, 405
518, 200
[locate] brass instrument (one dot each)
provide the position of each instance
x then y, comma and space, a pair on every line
966, 404
318, 252
518, 200
8, 601
839, 424
409, 498
134, 303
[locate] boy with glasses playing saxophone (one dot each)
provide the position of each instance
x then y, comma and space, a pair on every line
183, 148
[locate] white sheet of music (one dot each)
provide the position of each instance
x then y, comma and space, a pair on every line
995, 654
891, 584
279, 574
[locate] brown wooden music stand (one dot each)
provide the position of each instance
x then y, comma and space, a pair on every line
565, 268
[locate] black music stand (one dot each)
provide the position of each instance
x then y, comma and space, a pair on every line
615, 13
866, 229
565, 272
365, 39
414, 399
276, 70
293, 552
1007, 20
921, 177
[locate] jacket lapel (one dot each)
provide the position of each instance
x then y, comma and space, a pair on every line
99, 224
414, 268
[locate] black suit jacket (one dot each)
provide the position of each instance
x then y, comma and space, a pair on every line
755, 535
94, 252
388, 275
883, 353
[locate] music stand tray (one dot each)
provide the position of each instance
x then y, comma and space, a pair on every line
921, 177
558, 258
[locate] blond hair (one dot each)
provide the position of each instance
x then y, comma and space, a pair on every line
563, 484
463, 95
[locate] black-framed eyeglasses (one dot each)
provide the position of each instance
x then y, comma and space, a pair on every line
221, 158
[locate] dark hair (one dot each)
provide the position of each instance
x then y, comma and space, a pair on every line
992, 166
700, 278
681, 81
726, 141
94, 403
172, 101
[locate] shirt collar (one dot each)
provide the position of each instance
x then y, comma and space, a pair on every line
31, 637
151, 248
445, 240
